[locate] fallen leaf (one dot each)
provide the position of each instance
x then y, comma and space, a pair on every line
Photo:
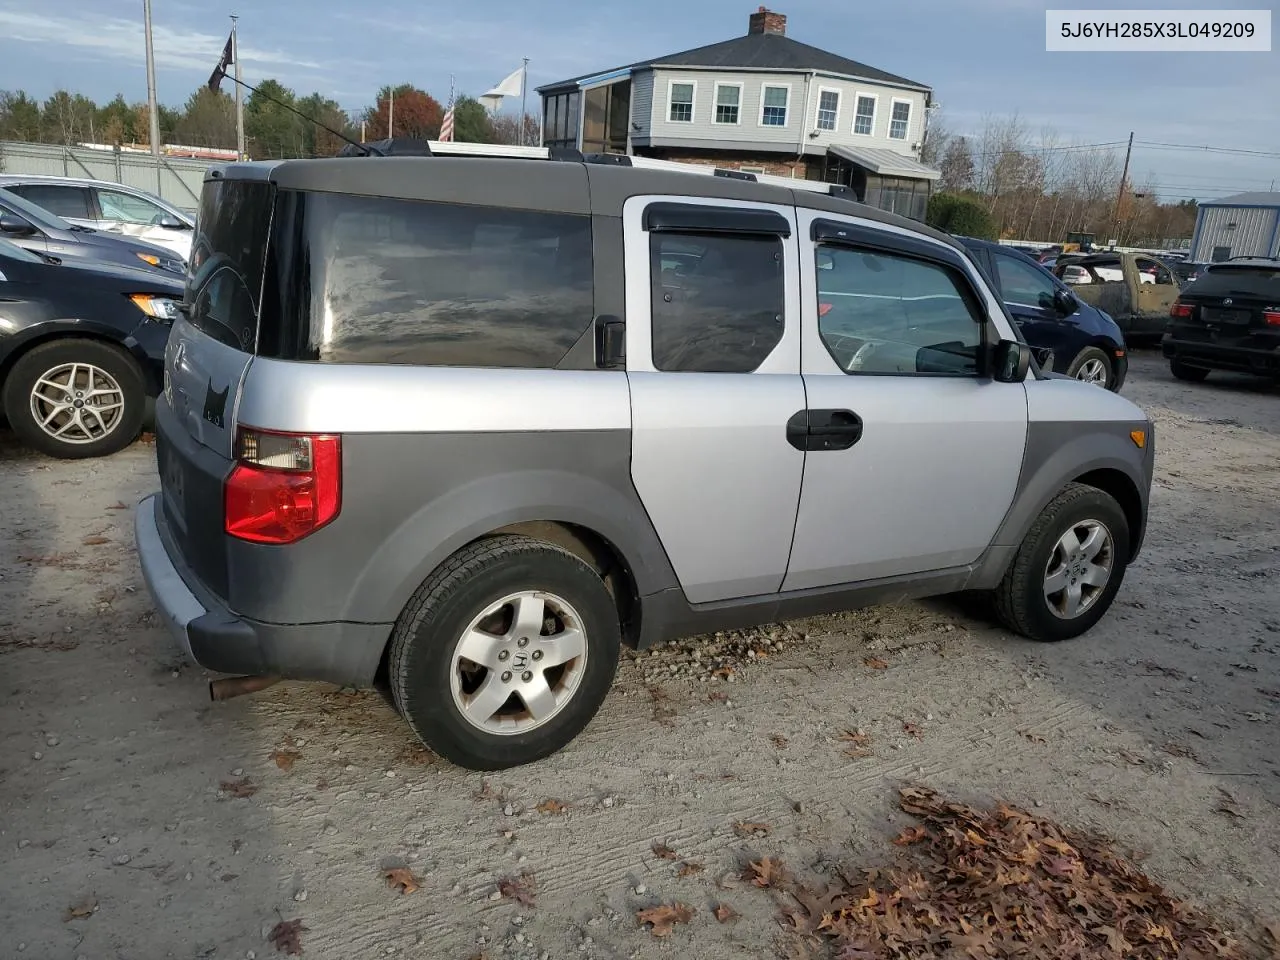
285, 758
521, 889
244, 787
723, 673
119, 505
663, 918
236, 845
95, 541
286, 937
778, 740
551, 805
485, 792
911, 835
402, 878
875, 663
856, 737
717, 696
1133, 758
765, 872
724, 913
85, 908
663, 852
744, 829
689, 869
1033, 737
1273, 931
911, 730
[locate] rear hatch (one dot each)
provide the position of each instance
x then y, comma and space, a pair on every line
1231, 305
208, 353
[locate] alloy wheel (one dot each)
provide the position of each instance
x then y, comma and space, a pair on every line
77, 403
1079, 569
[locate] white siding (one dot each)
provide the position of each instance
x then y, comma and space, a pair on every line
801, 117
1254, 231
642, 102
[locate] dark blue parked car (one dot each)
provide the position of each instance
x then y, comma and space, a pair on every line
1086, 343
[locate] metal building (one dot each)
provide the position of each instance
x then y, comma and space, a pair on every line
1245, 225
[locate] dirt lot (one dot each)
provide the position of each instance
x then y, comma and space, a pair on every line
1161, 729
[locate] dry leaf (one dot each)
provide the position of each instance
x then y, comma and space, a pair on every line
688, 869
521, 889
717, 696
551, 805
664, 917
724, 913
911, 730
402, 878
1033, 737
85, 908
286, 936
95, 541
663, 852
856, 737
875, 663
744, 829
485, 792
765, 872
285, 758
244, 787
779, 740
723, 673
911, 835
119, 505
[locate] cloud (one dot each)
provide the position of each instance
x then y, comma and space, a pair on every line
114, 38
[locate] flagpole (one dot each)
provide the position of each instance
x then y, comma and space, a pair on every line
235, 54
524, 83
153, 109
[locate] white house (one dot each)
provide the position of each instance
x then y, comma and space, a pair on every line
761, 103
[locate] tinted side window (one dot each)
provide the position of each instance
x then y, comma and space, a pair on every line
882, 313
717, 301
60, 201
1023, 283
409, 282
125, 206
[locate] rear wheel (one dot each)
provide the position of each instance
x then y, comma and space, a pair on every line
1184, 372
1069, 567
505, 653
1092, 365
75, 399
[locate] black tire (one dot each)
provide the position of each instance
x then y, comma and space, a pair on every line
421, 660
1020, 601
1184, 372
47, 357
1095, 354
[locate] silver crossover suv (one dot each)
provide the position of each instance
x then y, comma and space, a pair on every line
464, 425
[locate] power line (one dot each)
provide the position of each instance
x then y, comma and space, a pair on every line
1239, 151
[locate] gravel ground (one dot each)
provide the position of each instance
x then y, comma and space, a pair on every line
181, 828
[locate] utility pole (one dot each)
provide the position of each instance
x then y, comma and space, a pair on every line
235, 53
152, 108
1120, 195
524, 83
391, 111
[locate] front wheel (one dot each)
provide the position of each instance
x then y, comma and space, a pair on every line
505, 653
1069, 567
1092, 365
75, 399
1184, 372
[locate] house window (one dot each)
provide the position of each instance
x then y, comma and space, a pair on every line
728, 102
865, 121
828, 109
900, 120
682, 103
773, 113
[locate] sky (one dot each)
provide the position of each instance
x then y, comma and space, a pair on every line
981, 57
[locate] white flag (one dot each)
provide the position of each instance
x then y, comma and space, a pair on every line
512, 86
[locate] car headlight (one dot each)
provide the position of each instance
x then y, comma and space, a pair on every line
170, 264
164, 309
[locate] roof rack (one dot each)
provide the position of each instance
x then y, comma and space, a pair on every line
450, 148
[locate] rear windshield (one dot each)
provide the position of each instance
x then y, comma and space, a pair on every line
227, 260
1260, 282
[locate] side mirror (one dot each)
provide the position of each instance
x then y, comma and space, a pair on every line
13, 224
1010, 361
170, 223
1064, 302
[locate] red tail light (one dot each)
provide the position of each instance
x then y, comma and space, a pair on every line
1271, 318
284, 486
824, 309
1180, 309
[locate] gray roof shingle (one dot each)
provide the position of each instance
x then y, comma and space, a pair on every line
759, 51
1256, 198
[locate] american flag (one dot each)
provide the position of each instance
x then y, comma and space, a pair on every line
446, 126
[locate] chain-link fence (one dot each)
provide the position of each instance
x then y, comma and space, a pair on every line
170, 178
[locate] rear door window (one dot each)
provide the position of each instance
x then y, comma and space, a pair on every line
388, 281
62, 201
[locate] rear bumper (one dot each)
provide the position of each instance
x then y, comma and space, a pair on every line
1218, 357
214, 637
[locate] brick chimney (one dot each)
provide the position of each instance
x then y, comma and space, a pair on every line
765, 20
